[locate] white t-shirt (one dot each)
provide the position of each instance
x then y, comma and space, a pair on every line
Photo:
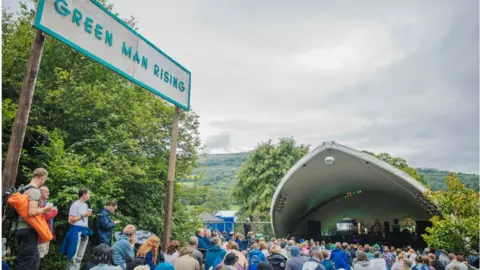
77, 209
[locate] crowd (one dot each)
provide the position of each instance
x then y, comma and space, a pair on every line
204, 250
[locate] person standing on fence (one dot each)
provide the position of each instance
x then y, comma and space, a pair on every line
28, 256
76, 239
104, 225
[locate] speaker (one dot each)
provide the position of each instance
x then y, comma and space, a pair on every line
314, 230
422, 226
386, 227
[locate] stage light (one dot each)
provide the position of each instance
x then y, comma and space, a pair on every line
329, 160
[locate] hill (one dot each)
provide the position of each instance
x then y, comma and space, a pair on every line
219, 170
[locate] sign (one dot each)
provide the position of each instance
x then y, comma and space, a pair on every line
89, 27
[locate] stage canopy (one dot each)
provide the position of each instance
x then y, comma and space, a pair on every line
334, 181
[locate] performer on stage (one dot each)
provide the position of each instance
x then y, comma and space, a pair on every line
377, 227
247, 227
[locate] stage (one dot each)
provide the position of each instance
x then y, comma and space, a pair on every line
334, 181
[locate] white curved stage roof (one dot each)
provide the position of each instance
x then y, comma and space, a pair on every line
313, 190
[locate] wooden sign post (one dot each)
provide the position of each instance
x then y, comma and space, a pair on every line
167, 226
10, 167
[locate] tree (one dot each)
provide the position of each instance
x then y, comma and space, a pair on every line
399, 163
261, 173
457, 229
90, 127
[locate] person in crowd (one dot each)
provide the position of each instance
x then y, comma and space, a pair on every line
284, 252
412, 255
232, 247
223, 236
454, 261
264, 248
388, 257
102, 259
202, 241
276, 260
172, 252
327, 262
378, 263
43, 247
346, 249
255, 256
315, 261
398, 265
407, 264
353, 251
104, 224
363, 263
214, 253
5, 254
28, 256
419, 264
208, 236
322, 245
250, 238
288, 248
435, 263
231, 237
264, 266
238, 238
473, 259
296, 261
164, 266
196, 254
369, 252
185, 261
427, 262
339, 257
304, 248
230, 262
148, 251
75, 242
123, 249
442, 256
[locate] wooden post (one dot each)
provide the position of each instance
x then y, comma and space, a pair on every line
15, 145
167, 226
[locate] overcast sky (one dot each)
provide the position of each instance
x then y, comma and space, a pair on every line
394, 76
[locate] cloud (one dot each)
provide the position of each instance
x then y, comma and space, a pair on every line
400, 77
218, 142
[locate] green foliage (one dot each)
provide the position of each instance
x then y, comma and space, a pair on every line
89, 127
457, 229
260, 175
435, 179
399, 163
204, 199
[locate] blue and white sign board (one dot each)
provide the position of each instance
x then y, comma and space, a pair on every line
89, 27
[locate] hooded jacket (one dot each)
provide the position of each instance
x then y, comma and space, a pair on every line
339, 257
277, 261
214, 253
378, 264
363, 265
296, 263
254, 258
312, 264
203, 243
103, 227
123, 252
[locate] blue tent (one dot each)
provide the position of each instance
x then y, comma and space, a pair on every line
229, 220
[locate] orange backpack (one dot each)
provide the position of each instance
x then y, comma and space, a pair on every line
19, 201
